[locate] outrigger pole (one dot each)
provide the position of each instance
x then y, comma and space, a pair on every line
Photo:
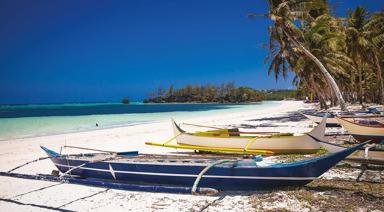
129, 153
234, 133
104, 184
112, 185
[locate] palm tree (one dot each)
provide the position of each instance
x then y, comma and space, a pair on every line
365, 39
375, 34
286, 38
358, 46
325, 39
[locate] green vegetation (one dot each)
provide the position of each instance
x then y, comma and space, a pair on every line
337, 59
226, 93
125, 101
283, 94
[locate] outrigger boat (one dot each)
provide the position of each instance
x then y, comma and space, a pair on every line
366, 156
318, 116
331, 117
221, 141
229, 173
363, 129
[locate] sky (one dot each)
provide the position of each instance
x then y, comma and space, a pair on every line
103, 50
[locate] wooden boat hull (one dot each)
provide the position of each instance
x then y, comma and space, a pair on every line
331, 121
373, 157
278, 145
234, 175
284, 145
361, 132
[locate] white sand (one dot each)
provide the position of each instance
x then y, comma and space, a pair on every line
36, 195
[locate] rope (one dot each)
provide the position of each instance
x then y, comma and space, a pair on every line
231, 133
98, 150
249, 143
205, 126
81, 165
22, 165
173, 138
194, 187
71, 169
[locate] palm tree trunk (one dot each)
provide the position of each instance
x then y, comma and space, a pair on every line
359, 78
360, 87
380, 79
322, 68
323, 102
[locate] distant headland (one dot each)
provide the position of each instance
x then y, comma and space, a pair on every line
225, 93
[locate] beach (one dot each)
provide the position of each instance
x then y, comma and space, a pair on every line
104, 105
30, 195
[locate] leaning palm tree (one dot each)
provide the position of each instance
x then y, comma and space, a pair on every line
287, 38
325, 39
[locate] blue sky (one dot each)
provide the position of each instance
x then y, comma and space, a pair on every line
103, 50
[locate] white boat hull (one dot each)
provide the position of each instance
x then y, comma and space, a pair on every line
361, 132
285, 144
330, 121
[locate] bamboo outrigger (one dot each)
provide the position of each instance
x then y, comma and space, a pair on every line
211, 149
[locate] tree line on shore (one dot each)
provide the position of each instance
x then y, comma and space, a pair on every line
338, 59
225, 93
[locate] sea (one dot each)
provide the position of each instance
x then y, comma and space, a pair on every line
22, 121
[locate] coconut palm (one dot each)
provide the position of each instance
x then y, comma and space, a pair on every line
287, 41
358, 45
365, 41
374, 29
325, 39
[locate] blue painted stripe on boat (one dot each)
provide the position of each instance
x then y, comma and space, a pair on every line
329, 124
192, 175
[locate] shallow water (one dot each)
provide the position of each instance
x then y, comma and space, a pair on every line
21, 121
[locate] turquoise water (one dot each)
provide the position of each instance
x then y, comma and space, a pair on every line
36, 120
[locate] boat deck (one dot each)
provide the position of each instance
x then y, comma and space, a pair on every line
190, 159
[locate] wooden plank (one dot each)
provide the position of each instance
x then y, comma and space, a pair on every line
213, 149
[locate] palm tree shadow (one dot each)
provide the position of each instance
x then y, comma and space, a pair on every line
289, 117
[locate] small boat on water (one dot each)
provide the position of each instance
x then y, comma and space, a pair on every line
229, 173
363, 128
276, 143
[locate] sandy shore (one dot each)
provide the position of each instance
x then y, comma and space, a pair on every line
18, 194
